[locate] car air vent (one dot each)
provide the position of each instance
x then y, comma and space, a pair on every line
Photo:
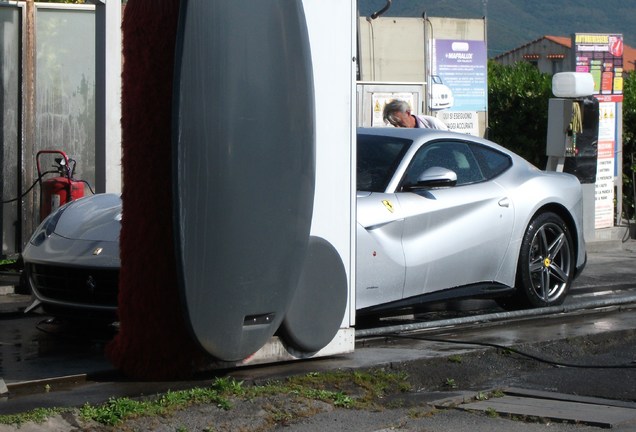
75, 285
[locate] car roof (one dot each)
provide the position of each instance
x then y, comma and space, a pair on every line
411, 133
419, 135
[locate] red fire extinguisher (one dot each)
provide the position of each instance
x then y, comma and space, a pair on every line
57, 191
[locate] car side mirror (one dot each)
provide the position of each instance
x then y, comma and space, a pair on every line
433, 177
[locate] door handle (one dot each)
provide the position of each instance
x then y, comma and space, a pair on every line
504, 202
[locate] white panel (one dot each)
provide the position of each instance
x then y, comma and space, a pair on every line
332, 37
392, 49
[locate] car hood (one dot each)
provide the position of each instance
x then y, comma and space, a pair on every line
94, 218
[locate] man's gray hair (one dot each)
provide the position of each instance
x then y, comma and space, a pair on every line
392, 107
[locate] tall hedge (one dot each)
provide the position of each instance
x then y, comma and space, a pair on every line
518, 98
629, 145
518, 109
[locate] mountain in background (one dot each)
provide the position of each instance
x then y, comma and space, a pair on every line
512, 23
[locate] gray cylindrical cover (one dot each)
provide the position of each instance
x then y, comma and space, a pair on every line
319, 304
244, 167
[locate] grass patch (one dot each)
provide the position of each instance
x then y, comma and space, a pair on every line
450, 383
116, 410
481, 396
419, 413
497, 394
38, 415
506, 352
354, 390
491, 412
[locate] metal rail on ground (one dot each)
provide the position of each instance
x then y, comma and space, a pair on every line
493, 317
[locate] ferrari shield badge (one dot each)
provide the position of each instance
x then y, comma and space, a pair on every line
388, 205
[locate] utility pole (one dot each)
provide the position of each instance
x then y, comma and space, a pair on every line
26, 209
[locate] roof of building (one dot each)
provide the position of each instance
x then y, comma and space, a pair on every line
561, 40
629, 53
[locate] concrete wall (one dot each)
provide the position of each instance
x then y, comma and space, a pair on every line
397, 50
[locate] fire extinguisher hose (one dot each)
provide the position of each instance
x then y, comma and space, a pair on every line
40, 179
30, 188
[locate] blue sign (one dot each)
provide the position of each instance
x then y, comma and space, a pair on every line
462, 66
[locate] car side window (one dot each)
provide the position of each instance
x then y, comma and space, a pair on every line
453, 155
377, 159
491, 161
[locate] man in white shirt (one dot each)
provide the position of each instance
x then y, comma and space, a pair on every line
398, 113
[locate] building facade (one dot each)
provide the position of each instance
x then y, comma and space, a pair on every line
553, 54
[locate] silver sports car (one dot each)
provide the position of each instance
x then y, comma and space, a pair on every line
440, 215
443, 215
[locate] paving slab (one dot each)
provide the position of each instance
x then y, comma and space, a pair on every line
599, 414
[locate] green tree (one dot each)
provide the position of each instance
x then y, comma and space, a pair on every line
629, 145
518, 98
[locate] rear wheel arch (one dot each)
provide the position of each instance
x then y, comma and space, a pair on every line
553, 280
565, 215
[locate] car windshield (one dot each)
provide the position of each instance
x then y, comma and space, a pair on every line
378, 157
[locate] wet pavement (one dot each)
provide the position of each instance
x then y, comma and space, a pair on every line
32, 350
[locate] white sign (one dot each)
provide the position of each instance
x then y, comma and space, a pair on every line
604, 189
461, 121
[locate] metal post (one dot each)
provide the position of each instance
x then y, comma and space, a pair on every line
108, 96
27, 211
618, 158
427, 68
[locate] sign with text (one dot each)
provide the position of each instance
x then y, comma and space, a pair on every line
604, 189
462, 66
461, 121
602, 56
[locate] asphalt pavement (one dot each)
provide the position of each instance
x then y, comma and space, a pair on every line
566, 371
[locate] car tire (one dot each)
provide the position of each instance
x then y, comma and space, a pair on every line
546, 264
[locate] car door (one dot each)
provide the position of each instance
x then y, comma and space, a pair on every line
457, 235
380, 270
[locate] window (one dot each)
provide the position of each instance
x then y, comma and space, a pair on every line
491, 161
377, 159
557, 66
453, 155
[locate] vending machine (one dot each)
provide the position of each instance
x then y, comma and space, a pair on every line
572, 138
